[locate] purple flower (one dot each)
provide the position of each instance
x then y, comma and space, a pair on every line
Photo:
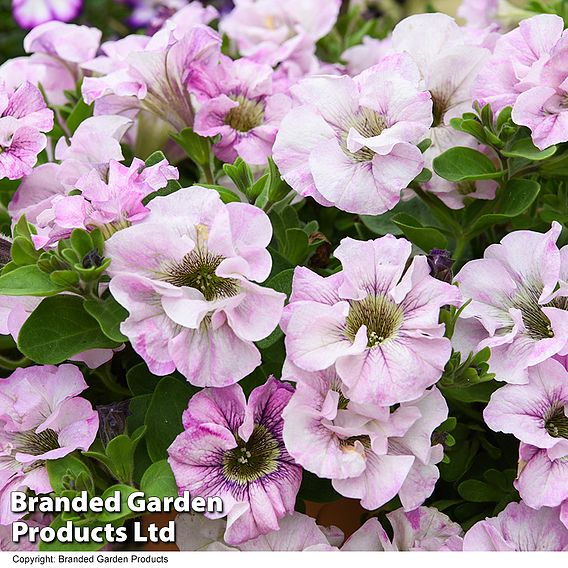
243, 109
186, 274
24, 117
376, 321
41, 418
518, 529
351, 142
369, 452
518, 293
233, 449
31, 13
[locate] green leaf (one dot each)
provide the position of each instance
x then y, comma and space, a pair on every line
159, 481
140, 380
60, 328
383, 224
195, 146
524, 148
163, 418
464, 164
110, 314
125, 491
154, 158
80, 112
120, 451
28, 281
479, 491
64, 470
425, 238
227, 196
23, 251
282, 282
518, 195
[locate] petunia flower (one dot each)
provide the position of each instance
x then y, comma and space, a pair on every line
156, 75
57, 51
518, 529
366, 54
517, 61
243, 109
296, 532
24, 117
110, 203
544, 108
449, 61
542, 479
186, 274
233, 449
369, 452
376, 321
31, 13
41, 418
352, 141
422, 529
515, 295
270, 31
535, 413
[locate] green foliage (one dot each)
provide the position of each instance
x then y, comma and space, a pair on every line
163, 418
76, 331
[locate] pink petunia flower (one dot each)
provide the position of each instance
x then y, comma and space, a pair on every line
352, 142
422, 529
517, 61
186, 274
295, 533
535, 413
243, 109
31, 13
270, 31
518, 529
24, 117
57, 52
544, 108
366, 54
154, 75
478, 13
514, 295
542, 479
369, 452
233, 449
41, 418
376, 321
109, 204
449, 61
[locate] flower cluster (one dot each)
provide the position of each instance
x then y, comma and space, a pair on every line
303, 256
